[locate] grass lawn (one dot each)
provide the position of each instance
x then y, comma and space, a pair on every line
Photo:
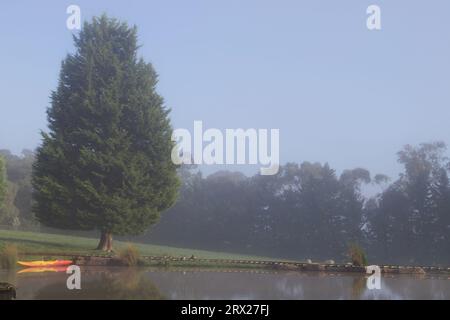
34, 242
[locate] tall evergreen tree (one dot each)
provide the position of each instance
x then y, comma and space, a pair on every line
105, 163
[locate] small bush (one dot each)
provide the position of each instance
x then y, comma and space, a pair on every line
8, 256
357, 255
130, 256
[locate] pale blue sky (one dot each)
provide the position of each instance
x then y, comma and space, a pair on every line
337, 91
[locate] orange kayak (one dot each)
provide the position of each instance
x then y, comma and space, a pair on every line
41, 264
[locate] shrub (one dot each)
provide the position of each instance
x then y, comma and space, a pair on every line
357, 255
8, 256
130, 256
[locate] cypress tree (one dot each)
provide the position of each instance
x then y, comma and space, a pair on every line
105, 163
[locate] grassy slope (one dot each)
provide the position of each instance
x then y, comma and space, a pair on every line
50, 243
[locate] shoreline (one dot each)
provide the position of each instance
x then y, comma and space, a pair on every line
295, 266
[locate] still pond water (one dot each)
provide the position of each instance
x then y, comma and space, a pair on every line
122, 283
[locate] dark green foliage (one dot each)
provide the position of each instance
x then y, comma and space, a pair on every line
9, 214
18, 167
8, 190
410, 221
105, 163
18, 170
3, 185
305, 211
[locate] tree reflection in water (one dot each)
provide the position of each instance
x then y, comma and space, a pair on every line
358, 287
130, 284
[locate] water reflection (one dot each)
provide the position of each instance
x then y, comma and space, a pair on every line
123, 283
109, 285
358, 287
8, 276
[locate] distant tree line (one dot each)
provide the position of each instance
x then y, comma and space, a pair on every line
308, 211
305, 211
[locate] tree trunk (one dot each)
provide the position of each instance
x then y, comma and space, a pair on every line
109, 242
105, 243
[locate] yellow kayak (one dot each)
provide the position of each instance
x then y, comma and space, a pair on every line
41, 264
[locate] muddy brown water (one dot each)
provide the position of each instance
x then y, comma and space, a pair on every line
135, 283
